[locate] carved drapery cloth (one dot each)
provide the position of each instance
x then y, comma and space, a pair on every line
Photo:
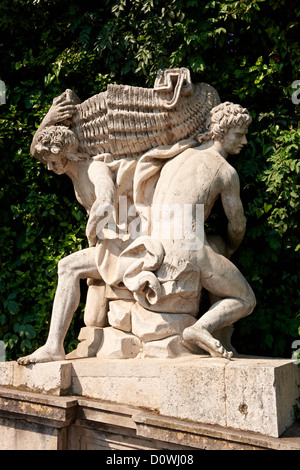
139, 265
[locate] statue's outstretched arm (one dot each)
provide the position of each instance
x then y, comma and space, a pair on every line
103, 205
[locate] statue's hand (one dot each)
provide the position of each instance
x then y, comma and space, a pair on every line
99, 216
61, 109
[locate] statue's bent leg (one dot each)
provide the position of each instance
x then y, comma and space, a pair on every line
222, 279
79, 265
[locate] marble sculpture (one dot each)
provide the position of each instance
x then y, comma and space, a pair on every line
148, 166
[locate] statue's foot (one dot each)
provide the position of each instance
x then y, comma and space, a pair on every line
43, 354
203, 339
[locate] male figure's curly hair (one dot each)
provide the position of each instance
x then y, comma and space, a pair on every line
223, 117
58, 140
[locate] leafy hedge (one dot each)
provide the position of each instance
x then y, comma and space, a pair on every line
248, 50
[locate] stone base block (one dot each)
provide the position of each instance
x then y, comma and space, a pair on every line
89, 341
52, 378
248, 394
119, 314
251, 394
169, 347
118, 344
34, 421
152, 326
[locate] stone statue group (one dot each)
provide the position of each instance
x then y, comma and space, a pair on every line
148, 166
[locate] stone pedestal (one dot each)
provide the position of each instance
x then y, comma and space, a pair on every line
243, 395
32, 421
250, 394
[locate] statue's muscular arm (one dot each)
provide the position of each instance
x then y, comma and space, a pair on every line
102, 179
233, 208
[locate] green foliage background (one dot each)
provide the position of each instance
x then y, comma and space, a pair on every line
248, 50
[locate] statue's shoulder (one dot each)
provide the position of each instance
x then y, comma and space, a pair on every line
229, 175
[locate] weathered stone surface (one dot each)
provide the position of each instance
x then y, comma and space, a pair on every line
90, 340
151, 326
195, 390
148, 166
7, 373
119, 314
131, 382
169, 347
259, 401
263, 392
32, 421
16, 435
52, 378
211, 437
118, 344
250, 394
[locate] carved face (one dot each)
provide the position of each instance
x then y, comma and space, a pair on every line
56, 163
234, 140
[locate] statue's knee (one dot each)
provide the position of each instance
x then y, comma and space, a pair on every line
63, 267
251, 302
